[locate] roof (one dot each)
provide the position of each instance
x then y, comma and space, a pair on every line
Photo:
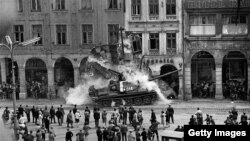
172, 134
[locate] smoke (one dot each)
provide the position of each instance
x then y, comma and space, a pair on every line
7, 16
134, 75
80, 94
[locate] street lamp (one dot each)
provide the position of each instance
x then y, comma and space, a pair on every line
11, 46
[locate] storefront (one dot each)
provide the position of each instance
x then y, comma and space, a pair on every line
36, 78
235, 75
203, 75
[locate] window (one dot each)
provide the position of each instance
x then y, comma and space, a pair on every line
235, 25
20, 5
37, 32
18, 31
113, 33
202, 24
87, 34
153, 7
154, 41
112, 4
136, 7
61, 33
170, 7
171, 41
137, 43
59, 5
35, 5
86, 4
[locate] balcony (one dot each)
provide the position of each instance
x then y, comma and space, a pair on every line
233, 29
171, 17
136, 17
204, 30
154, 52
171, 51
153, 17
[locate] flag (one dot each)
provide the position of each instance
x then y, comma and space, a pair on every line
123, 102
112, 103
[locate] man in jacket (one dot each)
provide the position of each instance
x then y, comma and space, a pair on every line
124, 130
59, 116
52, 114
171, 113
27, 111
69, 135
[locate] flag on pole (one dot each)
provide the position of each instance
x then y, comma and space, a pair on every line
112, 103
123, 102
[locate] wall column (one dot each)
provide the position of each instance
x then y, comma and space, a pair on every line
248, 82
188, 92
51, 83
23, 91
145, 41
3, 69
76, 76
180, 96
218, 81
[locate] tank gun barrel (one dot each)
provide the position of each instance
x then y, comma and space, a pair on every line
166, 74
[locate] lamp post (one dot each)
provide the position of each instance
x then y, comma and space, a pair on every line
11, 47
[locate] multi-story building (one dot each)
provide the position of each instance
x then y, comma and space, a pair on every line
217, 48
68, 30
156, 27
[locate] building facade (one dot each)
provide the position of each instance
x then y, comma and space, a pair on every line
69, 29
156, 27
217, 49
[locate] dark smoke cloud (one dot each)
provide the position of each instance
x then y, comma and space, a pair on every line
8, 11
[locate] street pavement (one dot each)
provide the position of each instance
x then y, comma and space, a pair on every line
183, 111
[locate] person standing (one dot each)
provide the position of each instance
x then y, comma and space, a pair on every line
69, 119
154, 129
153, 116
52, 114
99, 134
144, 135
171, 113
104, 117
52, 136
69, 135
121, 110
74, 111
63, 113
33, 110
39, 135
162, 118
137, 135
59, 116
86, 117
27, 111
20, 111
124, 130
96, 117
80, 136
43, 132
167, 118
31, 136
243, 119
125, 115
77, 116
105, 134
47, 123
140, 117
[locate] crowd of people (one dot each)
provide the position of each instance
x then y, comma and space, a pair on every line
204, 89
114, 128
235, 90
36, 89
116, 124
6, 90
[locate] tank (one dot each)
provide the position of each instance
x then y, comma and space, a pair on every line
123, 92
119, 90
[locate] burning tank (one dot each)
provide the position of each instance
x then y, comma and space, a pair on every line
121, 91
